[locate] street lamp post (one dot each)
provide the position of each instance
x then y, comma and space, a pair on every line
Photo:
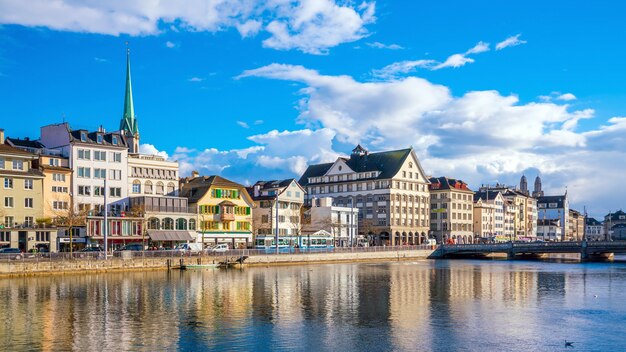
105, 227
276, 230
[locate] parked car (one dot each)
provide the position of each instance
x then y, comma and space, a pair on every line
132, 247
192, 247
220, 248
92, 249
11, 252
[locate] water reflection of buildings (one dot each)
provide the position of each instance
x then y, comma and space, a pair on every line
427, 305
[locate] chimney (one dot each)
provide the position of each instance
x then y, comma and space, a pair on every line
1, 135
195, 174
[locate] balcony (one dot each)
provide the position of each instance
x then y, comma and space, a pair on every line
227, 217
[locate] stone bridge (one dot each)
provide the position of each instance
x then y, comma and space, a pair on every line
586, 249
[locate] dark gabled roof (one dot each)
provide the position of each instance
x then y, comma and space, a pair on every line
25, 143
30, 172
592, 222
559, 200
314, 171
388, 163
484, 194
445, 183
92, 138
194, 188
615, 215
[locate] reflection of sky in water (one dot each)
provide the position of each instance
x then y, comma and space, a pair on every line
423, 305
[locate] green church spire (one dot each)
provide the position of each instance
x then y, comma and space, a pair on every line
128, 123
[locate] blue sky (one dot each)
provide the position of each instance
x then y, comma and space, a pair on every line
256, 90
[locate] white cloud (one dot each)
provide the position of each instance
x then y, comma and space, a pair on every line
379, 45
566, 97
456, 60
510, 41
150, 149
196, 79
249, 28
481, 47
408, 66
402, 67
170, 44
258, 122
480, 136
243, 124
99, 59
309, 26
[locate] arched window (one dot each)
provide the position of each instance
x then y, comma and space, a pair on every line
192, 224
154, 224
160, 188
168, 224
148, 187
170, 188
136, 187
181, 224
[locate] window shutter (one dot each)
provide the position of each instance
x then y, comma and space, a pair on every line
247, 210
217, 209
218, 193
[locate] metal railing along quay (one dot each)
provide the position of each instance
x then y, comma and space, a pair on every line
175, 254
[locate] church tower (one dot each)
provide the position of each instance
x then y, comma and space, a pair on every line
537, 192
523, 184
128, 124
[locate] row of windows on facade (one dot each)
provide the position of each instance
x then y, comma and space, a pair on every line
454, 227
454, 195
171, 224
288, 193
8, 183
366, 186
15, 163
281, 205
464, 206
145, 172
403, 222
9, 203
344, 177
40, 236
85, 172
148, 187
216, 209
454, 216
9, 222
265, 219
382, 198
85, 154
99, 138
98, 191
114, 209
227, 225
549, 205
224, 193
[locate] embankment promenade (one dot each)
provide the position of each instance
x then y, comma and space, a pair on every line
168, 260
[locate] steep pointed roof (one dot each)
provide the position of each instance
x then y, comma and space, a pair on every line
128, 123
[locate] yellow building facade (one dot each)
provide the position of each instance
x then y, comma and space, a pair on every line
224, 210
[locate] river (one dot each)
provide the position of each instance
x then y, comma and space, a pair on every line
428, 305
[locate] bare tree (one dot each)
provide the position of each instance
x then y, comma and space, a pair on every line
139, 211
70, 218
367, 228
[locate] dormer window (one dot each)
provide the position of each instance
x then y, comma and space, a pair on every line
83, 137
99, 139
114, 140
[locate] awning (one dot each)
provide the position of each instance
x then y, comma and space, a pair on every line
170, 235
